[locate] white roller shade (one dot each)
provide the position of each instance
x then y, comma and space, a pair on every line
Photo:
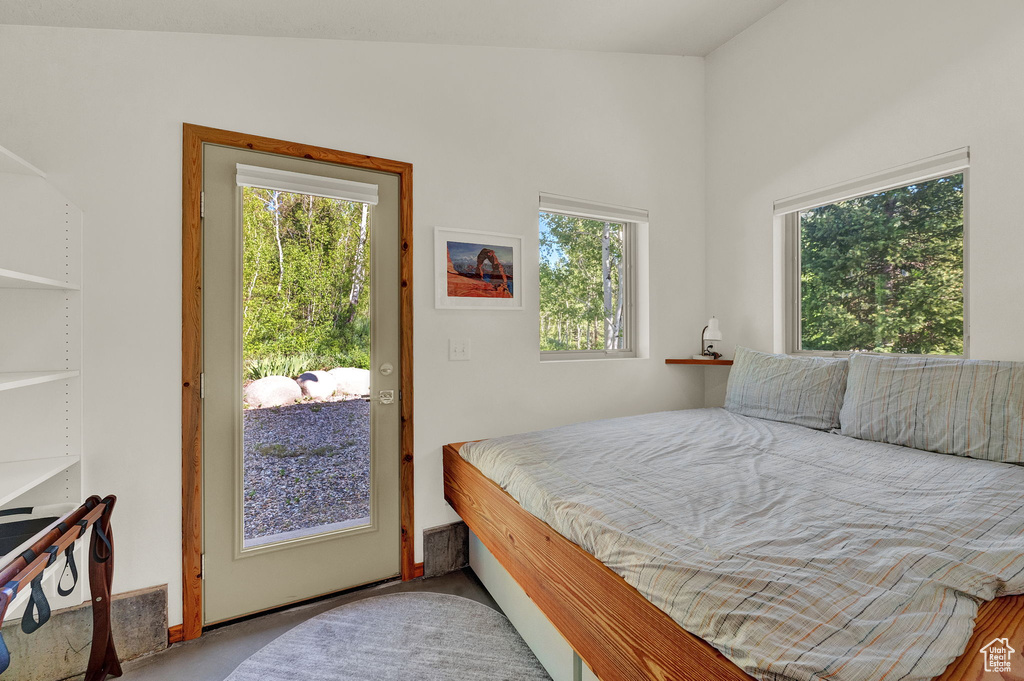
927, 169
552, 203
301, 183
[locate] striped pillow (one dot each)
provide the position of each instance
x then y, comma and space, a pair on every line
965, 407
807, 391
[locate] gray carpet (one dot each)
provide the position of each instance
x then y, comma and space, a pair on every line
421, 636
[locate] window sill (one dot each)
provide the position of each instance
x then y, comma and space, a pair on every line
544, 359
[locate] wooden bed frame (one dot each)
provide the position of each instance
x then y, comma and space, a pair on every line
615, 630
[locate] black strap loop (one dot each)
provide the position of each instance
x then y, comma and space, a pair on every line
98, 529
69, 554
38, 611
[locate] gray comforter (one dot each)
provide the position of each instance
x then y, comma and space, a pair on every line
798, 554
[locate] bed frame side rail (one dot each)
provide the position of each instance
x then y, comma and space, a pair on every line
619, 633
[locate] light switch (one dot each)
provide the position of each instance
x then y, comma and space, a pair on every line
458, 349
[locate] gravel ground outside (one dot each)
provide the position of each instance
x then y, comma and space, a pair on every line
306, 465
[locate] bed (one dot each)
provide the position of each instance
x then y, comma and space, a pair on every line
611, 531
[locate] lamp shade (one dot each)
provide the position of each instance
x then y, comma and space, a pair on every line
714, 332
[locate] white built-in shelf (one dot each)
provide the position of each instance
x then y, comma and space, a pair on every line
22, 379
12, 279
40, 328
12, 163
18, 477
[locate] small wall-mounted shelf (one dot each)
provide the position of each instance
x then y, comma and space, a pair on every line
17, 477
705, 362
12, 279
22, 379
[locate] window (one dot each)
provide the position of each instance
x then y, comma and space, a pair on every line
880, 269
587, 274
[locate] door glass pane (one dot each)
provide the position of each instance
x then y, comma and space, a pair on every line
306, 359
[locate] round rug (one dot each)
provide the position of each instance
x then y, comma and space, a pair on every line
421, 636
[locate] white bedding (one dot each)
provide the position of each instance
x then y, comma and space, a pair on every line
798, 554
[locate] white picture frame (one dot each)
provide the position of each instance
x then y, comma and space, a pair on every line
477, 279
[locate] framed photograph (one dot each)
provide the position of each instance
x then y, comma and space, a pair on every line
477, 270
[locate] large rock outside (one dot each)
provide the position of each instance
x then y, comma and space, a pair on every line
351, 381
318, 385
272, 391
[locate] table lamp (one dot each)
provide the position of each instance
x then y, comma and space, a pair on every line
711, 332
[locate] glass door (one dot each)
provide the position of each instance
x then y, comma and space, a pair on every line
300, 359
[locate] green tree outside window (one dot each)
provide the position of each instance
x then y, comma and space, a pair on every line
305, 283
885, 272
581, 284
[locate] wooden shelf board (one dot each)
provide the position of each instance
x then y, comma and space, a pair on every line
13, 279
712, 362
18, 477
22, 379
12, 163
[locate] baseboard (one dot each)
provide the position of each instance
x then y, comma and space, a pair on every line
417, 570
445, 549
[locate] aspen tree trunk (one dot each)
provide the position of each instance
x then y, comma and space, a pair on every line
606, 285
618, 307
307, 203
359, 276
275, 204
255, 274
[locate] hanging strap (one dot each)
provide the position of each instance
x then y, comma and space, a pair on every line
69, 565
97, 527
38, 611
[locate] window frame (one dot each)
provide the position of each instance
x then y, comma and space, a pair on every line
630, 336
944, 165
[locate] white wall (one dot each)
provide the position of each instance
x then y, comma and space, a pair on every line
486, 129
820, 92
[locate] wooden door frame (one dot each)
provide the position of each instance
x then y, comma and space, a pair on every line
193, 138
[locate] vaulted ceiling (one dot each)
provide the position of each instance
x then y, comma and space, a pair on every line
677, 27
